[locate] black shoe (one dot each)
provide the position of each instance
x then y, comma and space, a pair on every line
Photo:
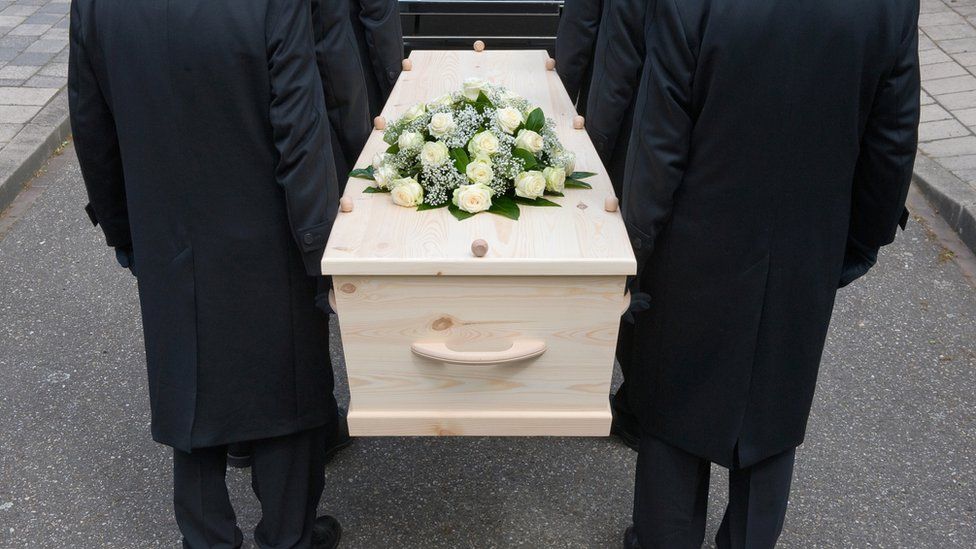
340, 437
630, 539
326, 533
239, 455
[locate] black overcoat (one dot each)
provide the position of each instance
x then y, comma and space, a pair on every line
766, 135
380, 36
343, 81
576, 38
617, 67
201, 131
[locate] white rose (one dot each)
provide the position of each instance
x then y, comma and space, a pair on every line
379, 159
530, 141
555, 179
385, 176
508, 95
473, 198
407, 192
434, 153
480, 171
410, 140
441, 124
508, 119
474, 86
483, 143
443, 101
415, 112
569, 162
530, 185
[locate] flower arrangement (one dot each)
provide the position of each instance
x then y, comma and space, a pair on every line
481, 149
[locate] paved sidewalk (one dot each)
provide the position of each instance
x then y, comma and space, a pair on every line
33, 74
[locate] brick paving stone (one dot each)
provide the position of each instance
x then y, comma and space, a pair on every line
942, 129
953, 84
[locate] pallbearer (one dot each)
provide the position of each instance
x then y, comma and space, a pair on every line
203, 138
575, 45
770, 161
376, 24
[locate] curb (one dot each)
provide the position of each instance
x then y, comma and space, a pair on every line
953, 198
30, 149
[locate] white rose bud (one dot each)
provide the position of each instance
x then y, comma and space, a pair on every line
508, 95
530, 185
508, 119
474, 86
473, 198
443, 101
441, 124
434, 153
480, 171
483, 143
379, 159
410, 140
407, 192
415, 112
555, 179
385, 176
530, 141
569, 162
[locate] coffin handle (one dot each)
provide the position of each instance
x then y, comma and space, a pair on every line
519, 351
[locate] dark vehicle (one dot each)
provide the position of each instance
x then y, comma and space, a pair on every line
502, 24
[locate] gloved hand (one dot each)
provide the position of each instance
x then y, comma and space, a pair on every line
858, 260
126, 258
639, 301
322, 287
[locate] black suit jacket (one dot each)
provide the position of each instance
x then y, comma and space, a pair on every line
575, 45
766, 135
380, 36
201, 131
617, 67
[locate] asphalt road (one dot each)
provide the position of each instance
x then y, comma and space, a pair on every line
888, 461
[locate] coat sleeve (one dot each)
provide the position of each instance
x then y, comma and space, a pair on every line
616, 72
576, 42
300, 129
96, 140
384, 38
888, 147
663, 123
343, 80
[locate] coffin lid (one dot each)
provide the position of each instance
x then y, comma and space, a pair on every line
580, 238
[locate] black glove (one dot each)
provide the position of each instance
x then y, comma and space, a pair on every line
639, 301
858, 260
322, 287
125, 257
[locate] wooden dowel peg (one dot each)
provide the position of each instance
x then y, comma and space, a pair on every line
345, 204
379, 123
479, 248
407, 65
579, 122
550, 64
479, 45
611, 204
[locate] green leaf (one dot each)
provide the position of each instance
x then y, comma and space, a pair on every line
425, 206
372, 190
461, 159
554, 193
537, 202
527, 157
363, 173
393, 149
581, 175
576, 184
505, 206
536, 120
460, 214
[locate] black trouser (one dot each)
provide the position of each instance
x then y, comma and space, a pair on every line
287, 476
671, 499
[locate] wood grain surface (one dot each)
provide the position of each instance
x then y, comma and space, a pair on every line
581, 238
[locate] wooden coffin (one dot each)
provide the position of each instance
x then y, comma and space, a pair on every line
521, 341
